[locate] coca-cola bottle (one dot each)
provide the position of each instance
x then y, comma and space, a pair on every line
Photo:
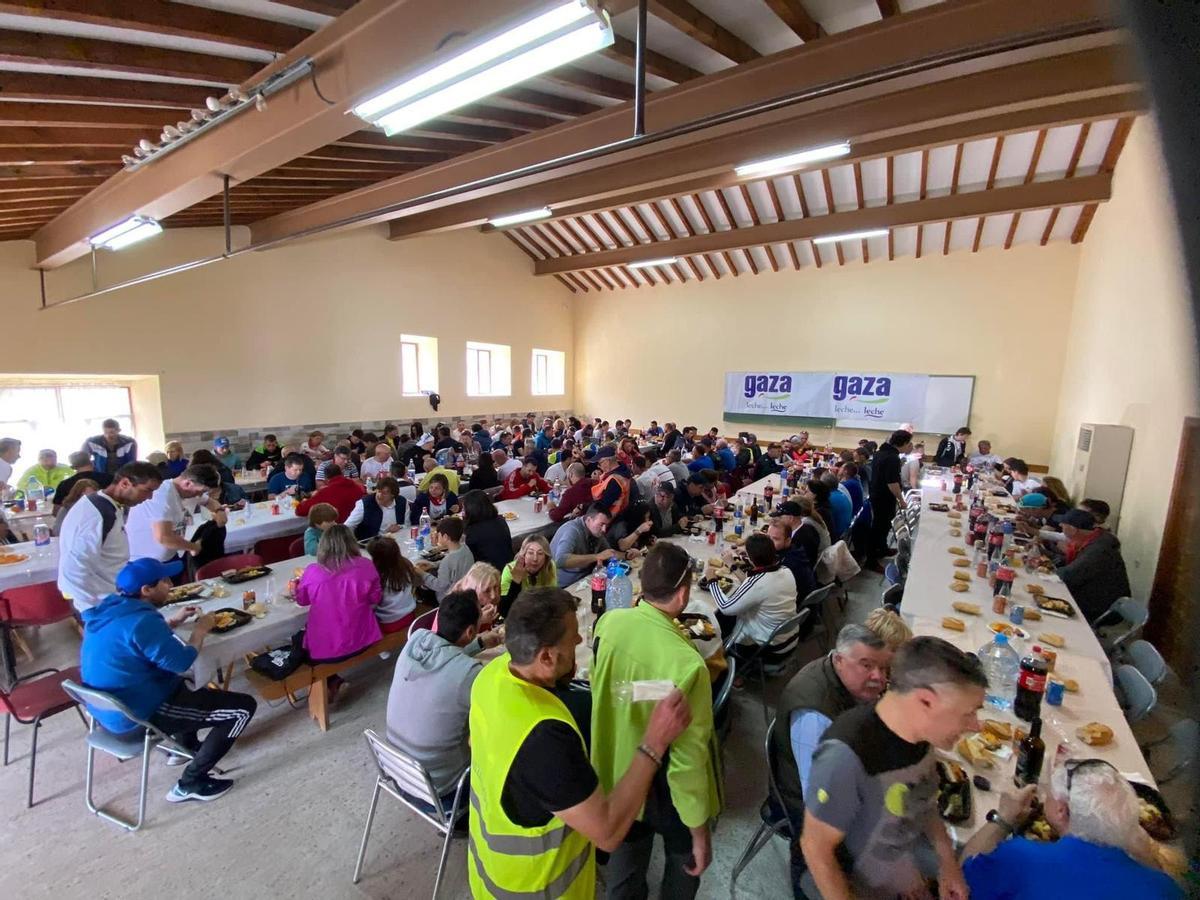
1031, 686
599, 590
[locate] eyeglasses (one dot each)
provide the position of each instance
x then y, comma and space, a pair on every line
1071, 766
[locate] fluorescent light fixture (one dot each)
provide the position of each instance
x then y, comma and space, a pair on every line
567, 31
851, 236
132, 230
647, 263
529, 215
792, 160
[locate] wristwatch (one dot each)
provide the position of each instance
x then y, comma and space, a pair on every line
993, 816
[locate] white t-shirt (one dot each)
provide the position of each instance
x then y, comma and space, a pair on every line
87, 566
984, 461
164, 505
373, 468
5, 472
508, 468
555, 473
1020, 488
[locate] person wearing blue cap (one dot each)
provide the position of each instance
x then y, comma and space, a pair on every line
130, 651
225, 453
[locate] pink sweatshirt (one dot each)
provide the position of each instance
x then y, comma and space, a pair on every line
342, 619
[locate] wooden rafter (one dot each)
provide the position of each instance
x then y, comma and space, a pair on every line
797, 18
696, 25
958, 155
623, 51
890, 194
828, 185
1115, 144
1072, 167
921, 196
69, 115
602, 85
858, 192
991, 183
1029, 175
485, 114
115, 91
551, 103
888, 8
804, 212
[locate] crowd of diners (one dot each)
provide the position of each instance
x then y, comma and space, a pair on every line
556, 772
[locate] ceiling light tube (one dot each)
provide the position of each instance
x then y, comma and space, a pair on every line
132, 230
851, 236
647, 263
565, 32
792, 160
529, 215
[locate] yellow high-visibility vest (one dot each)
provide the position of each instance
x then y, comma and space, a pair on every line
506, 861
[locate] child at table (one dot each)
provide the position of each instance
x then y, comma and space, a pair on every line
320, 518
399, 580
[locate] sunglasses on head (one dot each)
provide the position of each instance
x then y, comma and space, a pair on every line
1071, 766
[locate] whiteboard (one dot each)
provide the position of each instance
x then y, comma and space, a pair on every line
947, 407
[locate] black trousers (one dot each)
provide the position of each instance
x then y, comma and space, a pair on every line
625, 874
883, 511
224, 713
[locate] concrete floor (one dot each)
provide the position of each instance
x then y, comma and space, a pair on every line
292, 824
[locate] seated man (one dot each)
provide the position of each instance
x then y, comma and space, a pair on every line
772, 463
338, 491
793, 557
457, 561
293, 480
266, 455
225, 453
47, 474
664, 515
379, 464
854, 672
1022, 481
580, 544
378, 513
130, 651
985, 460
657, 472
840, 505
761, 603
342, 460
524, 481
1093, 570
690, 499
1103, 852
430, 698
577, 497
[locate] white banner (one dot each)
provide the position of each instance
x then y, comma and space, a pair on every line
853, 399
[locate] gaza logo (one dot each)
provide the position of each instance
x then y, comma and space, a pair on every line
771, 387
866, 389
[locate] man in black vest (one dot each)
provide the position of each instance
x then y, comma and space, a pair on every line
952, 450
854, 672
378, 513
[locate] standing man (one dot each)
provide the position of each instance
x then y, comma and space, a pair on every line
537, 809
952, 450
871, 825
92, 544
644, 644
10, 452
81, 464
886, 494
110, 449
157, 527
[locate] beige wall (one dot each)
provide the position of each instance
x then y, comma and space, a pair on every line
306, 333
1130, 355
998, 315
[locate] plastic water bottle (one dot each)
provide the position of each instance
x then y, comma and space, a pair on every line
424, 527
370, 484
411, 471
34, 492
1001, 665
1006, 529
619, 592
556, 493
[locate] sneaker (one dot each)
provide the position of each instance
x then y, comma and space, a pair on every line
176, 759
206, 789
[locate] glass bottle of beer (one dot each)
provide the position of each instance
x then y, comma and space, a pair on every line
1030, 754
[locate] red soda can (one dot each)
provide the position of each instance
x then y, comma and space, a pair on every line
274, 509
413, 532
712, 537
537, 505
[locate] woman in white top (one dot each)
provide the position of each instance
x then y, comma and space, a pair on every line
910, 471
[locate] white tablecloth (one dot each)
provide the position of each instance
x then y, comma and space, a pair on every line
42, 564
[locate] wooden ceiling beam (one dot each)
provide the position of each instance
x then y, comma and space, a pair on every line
624, 51
370, 155
33, 174
1108, 164
582, 79
502, 116
10, 187
948, 208
119, 138
682, 15
409, 142
888, 8
444, 128
164, 18
797, 18
12, 156
72, 115
550, 103
332, 8
120, 91
40, 48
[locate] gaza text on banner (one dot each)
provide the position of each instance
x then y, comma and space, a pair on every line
851, 398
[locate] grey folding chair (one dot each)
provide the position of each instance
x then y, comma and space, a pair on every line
423, 622
1144, 656
408, 781
816, 602
721, 717
1181, 743
773, 816
124, 747
1134, 615
1136, 694
753, 656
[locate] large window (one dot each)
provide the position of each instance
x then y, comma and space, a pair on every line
549, 372
489, 370
60, 417
418, 365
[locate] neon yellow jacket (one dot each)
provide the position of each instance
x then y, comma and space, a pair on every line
643, 644
47, 479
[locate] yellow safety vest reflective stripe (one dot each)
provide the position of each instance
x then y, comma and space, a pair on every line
507, 861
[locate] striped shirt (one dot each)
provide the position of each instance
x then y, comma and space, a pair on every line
350, 470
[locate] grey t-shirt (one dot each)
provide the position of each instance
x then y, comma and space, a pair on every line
881, 792
573, 539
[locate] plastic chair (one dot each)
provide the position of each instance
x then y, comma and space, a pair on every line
296, 548
816, 602
408, 781
35, 604
1136, 694
1144, 656
1182, 742
34, 697
1134, 614
123, 746
277, 549
773, 814
225, 563
423, 622
753, 655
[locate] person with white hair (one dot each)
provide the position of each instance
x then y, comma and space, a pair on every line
1103, 851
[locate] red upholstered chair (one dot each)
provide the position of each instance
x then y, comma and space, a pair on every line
225, 563
296, 548
36, 696
35, 604
277, 549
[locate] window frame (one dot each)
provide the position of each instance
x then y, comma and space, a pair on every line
482, 361
554, 376
422, 346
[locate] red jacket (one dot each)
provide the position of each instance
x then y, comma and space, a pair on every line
340, 492
516, 485
579, 494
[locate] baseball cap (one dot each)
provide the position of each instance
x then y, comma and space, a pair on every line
425, 440
1080, 518
697, 478
1033, 501
788, 508
606, 452
221, 443
140, 573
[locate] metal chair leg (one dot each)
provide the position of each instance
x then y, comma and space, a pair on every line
7, 726
762, 688
761, 836
453, 820
37, 723
362, 848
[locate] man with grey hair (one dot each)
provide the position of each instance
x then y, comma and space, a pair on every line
1102, 847
854, 672
677, 466
871, 826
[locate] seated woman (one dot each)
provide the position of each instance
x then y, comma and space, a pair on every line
342, 590
532, 568
438, 500
398, 580
320, 518
484, 476
487, 535
176, 460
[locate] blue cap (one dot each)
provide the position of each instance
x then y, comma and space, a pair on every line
221, 443
1033, 501
140, 573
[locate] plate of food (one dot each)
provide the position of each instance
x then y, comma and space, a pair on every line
1037, 826
228, 619
698, 626
433, 554
246, 573
195, 591
939, 507
976, 749
1054, 606
11, 559
509, 515
1153, 814
724, 582
954, 791
1010, 630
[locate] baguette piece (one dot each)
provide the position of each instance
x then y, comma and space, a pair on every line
953, 623
1054, 640
962, 606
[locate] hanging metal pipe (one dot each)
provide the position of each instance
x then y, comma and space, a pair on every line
225, 216
825, 90
639, 73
